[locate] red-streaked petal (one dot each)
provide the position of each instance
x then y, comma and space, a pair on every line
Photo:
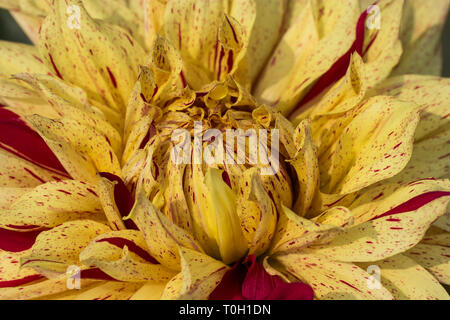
20, 282
248, 280
340, 67
15, 241
123, 198
18, 138
260, 285
414, 203
132, 247
95, 274
230, 288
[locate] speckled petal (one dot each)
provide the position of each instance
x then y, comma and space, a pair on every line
329, 279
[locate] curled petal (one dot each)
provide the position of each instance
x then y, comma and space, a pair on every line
124, 256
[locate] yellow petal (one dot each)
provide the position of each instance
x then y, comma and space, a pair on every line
23, 100
430, 93
295, 233
10, 272
385, 235
153, 16
23, 174
118, 13
320, 36
38, 290
264, 32
421, 38
443, 222
329, 279
149, 291
162, 236
306, 166
440, 239
177, 209
433, 258
17, 58
369, 151
107, 200
72, 102
83, 139
57, 249
110, 290
192, 27
220, 212
386, 50
98, 57
257, 212
407, 280
123, 255
200, 275
76, 163
379, 199
9, 195
53, 203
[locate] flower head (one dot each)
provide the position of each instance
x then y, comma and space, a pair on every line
189, 149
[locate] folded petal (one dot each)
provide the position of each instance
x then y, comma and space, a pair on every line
257, 212
124, 256
51, 204
162, 236
306, 166
117, 201
57, 249
341, 97
200, 275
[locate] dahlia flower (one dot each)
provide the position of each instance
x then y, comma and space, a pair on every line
104, 190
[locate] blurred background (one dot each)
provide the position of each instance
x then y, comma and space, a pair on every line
9, 30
